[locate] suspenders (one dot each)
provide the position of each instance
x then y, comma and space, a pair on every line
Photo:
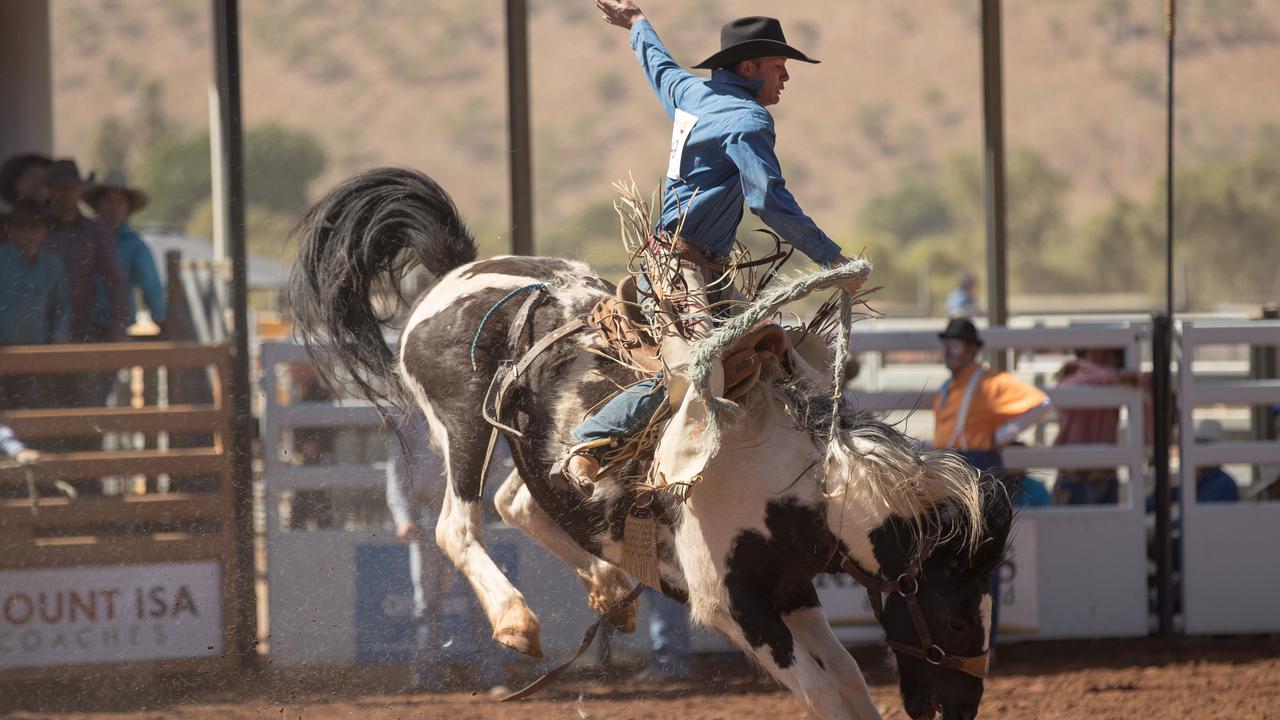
957, 436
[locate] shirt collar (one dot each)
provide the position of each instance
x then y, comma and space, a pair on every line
729, 77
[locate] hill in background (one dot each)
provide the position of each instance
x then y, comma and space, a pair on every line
880, 142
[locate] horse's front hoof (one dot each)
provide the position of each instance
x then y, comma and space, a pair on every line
518, 629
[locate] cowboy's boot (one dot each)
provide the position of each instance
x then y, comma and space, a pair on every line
577, 469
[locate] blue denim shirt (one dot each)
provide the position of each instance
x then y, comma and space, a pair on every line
35, 306
728, 157
139, 268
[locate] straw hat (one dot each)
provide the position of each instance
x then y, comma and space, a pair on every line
115, 180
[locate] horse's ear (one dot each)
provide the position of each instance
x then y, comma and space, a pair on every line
988, 555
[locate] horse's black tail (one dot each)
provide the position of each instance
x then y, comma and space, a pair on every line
355, 246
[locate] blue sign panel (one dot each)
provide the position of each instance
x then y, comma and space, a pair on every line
384, 604
386, 630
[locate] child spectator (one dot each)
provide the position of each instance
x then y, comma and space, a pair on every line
10, 445
114, 201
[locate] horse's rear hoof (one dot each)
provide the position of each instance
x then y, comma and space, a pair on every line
518, 629
624, 622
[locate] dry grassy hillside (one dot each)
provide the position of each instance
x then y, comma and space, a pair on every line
420, 83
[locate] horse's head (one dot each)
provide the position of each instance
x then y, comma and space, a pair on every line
940, 666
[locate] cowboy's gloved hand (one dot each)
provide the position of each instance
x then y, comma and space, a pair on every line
622, 13
852, 285
27, 456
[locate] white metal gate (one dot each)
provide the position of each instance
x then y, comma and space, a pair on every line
1230, 577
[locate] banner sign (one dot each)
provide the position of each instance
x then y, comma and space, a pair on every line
116, 613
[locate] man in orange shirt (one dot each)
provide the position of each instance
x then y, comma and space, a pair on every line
979, 410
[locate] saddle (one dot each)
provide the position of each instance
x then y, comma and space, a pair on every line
620, 324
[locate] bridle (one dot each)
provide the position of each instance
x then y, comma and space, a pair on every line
908, 586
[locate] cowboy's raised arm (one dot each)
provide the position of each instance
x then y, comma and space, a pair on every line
667, 78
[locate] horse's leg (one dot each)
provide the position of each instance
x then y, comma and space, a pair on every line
607, 585
811, 630
800, 672
460, 534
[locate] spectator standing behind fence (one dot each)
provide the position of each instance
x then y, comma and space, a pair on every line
86, 249
413, 493
1097, 366
23, 176
34, 299
114, 201
963, 301
979, 411
10, 445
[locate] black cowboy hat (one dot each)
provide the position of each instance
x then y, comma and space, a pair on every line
961, 329
65, 171
13, 169
27, 212
749, 38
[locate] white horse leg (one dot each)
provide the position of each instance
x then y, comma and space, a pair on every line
813, 633
606, 584
460, 534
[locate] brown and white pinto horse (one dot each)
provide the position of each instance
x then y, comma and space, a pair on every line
778, 504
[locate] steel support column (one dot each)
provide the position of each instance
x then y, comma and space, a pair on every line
226, 64
521, 146
993, 188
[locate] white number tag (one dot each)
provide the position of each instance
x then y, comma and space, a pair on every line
679, 134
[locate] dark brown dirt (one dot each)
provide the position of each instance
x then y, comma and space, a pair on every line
1206, 679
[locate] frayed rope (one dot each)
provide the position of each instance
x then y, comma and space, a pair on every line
706, 352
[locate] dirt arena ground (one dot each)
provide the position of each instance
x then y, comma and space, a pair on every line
1237, 678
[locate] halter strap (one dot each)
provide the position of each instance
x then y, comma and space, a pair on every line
908, 586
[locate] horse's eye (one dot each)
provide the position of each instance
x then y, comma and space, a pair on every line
958, 624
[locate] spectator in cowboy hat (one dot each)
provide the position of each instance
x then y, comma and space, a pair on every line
34, 300
25, 175
86, 249
979, 411
114, 201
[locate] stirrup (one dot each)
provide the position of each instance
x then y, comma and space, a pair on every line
560, 471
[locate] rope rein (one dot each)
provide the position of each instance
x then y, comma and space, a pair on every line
475, 341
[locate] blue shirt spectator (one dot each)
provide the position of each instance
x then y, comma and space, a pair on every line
34, 292
1031, 493
9, 443
963, 301
139, 268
